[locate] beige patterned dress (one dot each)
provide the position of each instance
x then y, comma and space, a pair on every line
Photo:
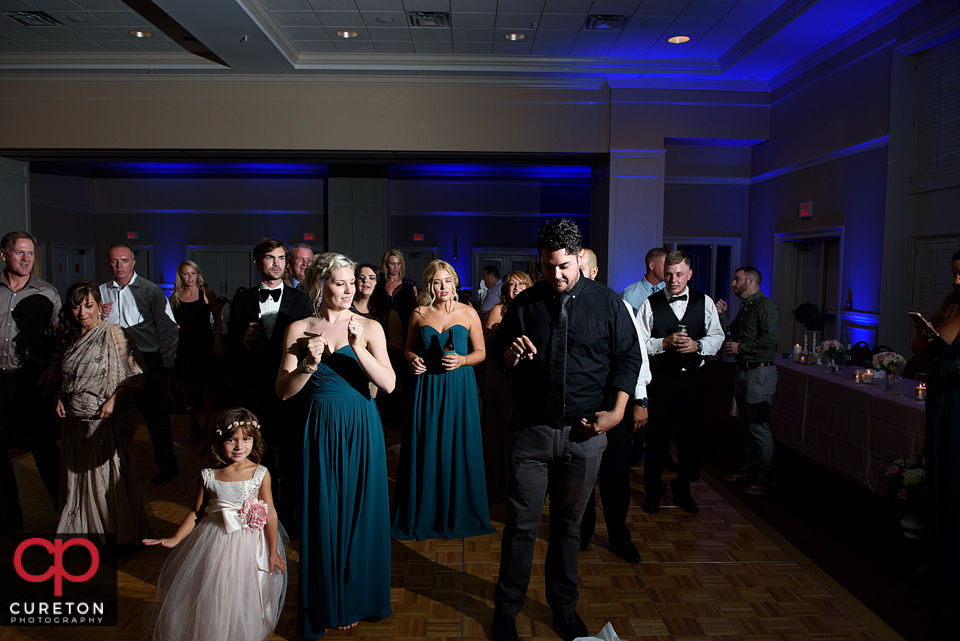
99, 488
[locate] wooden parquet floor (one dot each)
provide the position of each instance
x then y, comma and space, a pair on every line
715, 576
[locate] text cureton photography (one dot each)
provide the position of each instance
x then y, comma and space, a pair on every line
58, 581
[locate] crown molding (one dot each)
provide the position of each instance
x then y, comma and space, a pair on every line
708, 84
706, 180
472, 64
874, 23
929, 33
273, 31
106, 61
853, 150
774, 23
290, 79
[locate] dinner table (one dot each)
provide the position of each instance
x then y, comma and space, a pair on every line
852, 428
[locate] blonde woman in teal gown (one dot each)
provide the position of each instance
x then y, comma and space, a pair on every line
331, 358
440, 490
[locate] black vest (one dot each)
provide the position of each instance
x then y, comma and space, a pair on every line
665, 323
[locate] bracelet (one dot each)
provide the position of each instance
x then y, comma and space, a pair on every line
307, 368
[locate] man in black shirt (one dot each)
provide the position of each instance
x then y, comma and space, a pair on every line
574, 352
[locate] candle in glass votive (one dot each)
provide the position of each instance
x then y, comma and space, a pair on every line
920, 393
867, 377
857, 376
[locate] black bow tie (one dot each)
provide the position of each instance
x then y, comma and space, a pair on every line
270, 293
674, 299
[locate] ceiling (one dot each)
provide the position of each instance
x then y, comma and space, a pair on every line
745, 44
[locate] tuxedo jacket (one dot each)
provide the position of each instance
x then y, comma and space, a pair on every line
258, 364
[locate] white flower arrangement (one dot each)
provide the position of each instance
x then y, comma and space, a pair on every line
888, 361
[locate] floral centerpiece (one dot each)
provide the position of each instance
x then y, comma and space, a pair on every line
831, 349
889, 362
905, 481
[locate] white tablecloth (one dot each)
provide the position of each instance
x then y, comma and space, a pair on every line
853, 429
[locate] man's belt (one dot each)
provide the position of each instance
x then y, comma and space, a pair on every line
756, 365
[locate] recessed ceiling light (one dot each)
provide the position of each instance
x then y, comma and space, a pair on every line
137, 33
515, 36
76, 19
347, 34
384, 19
649, 23
679, 40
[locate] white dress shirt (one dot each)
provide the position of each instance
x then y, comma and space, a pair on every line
269, 309
712, 340
491, 299
144, 311
644, 378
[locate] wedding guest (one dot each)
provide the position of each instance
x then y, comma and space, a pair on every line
100, 490
30, 363
497, 407
440, 490
259, 318
331, 358
755, 333
142, 310
571, 343
394, 267
942, 344
197, 344
677, 389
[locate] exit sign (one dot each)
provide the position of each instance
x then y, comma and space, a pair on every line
806, 210
308, 235
133, 235
418, 238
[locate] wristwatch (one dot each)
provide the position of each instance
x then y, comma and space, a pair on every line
699, 347
642, 402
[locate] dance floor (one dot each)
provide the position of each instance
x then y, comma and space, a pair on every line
719, 574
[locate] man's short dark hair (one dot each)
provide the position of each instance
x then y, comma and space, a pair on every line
491, 269
654, 254
751, 272
13, 236
560, 234
267, 245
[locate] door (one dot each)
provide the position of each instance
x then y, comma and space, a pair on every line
505, 260
808, 271
416, 261
224, 270
71, 263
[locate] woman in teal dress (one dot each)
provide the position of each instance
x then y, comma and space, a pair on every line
942, 344
440, 490
345, 520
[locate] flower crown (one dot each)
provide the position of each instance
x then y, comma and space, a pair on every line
237, 424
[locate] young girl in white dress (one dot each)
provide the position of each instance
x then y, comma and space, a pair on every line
225, 579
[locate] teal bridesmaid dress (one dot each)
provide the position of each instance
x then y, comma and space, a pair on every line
440, 490
345, 531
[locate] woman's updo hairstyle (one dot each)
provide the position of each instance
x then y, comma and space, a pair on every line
320, 272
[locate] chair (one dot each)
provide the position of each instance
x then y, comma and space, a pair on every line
859, 353
880, 348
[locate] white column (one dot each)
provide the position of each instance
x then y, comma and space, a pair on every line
635, 215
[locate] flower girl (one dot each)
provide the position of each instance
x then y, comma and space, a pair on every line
226, 578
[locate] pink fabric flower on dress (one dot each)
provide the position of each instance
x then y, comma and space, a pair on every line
253, 514
893, 471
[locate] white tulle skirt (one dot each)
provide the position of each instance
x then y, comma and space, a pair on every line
210, 588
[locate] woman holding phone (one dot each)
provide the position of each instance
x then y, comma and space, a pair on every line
940, 340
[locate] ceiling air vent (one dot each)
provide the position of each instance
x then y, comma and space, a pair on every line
428, 19
33, 18
605, 23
